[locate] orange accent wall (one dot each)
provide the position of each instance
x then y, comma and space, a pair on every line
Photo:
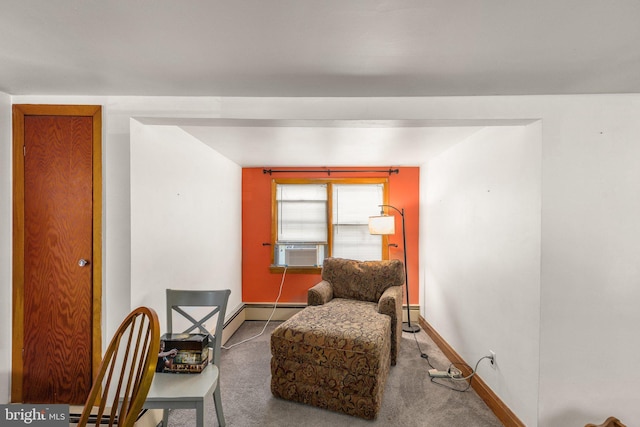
259, 285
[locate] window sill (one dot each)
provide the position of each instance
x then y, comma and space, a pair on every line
296, 269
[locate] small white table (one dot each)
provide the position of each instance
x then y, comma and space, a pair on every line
184, 391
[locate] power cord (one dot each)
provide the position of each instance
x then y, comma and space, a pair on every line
275, 305
455, 376
454, 373
422, 354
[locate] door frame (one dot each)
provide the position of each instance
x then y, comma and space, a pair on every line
19, 113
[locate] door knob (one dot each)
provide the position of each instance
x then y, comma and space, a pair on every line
83, 262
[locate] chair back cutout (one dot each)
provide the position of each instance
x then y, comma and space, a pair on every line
216, 300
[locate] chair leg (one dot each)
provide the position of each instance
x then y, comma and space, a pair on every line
217, 400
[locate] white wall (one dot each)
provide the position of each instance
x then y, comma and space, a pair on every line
480, 228
117, 112
186, 217
590, 262
5, 246
590, 234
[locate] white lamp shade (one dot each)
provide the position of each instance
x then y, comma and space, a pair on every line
382, 224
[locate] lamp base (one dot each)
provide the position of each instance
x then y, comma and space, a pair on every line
406, 327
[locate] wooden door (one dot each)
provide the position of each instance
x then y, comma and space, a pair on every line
57, 258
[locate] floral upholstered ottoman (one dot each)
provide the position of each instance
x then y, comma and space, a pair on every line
334, 356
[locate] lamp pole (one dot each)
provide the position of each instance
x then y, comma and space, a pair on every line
406, 326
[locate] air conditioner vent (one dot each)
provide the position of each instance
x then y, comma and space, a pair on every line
300, 255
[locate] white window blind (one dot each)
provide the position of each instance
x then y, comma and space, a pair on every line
302, 212
353, 204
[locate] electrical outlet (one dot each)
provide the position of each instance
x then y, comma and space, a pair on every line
493, 358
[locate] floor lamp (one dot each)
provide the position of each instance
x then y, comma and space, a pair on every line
385, 225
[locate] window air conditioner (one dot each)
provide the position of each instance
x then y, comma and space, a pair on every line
299, 255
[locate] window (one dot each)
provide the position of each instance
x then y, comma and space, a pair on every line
301, 211
353, 204
315, 218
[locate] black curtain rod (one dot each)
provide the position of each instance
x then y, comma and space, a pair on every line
328, 171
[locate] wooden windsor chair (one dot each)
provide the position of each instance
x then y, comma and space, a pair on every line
126, 372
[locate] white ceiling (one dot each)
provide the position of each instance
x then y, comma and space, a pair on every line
320, 48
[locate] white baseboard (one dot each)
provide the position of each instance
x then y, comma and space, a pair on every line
232, 325
414, 311
262, 311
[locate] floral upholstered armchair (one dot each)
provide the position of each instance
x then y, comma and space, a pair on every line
378, 282
337, 352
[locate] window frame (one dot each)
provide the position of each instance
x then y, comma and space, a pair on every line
330, 182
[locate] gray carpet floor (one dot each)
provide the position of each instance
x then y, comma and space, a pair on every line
410, 398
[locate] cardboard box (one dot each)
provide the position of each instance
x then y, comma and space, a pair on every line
192, 353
